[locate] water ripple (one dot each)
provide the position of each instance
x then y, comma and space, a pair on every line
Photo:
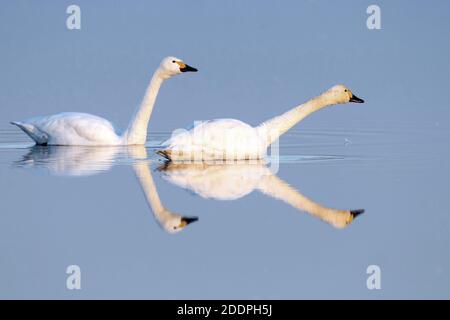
395, 144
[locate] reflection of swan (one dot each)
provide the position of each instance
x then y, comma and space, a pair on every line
70, 161
170, 221
228, 182
83, 161
233, 139
86, 129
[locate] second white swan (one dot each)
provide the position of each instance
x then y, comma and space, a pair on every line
72, 128
225, 139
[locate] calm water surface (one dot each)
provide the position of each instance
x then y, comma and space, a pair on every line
241, 231
116, 213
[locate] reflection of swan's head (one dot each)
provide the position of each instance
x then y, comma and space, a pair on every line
171, 66
340, 94
175, 223
343, 218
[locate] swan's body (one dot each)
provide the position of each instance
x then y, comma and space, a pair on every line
234, 139
71, 128
217, 139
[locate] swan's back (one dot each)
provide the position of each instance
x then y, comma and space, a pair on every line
71, 128
216, 139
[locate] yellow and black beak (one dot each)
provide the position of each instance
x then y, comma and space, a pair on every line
186, 68
357, 212
355, 99
186, 220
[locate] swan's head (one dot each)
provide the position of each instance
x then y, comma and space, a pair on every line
172, 66
340, 94
176, 223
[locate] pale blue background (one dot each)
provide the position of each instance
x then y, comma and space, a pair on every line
256, 59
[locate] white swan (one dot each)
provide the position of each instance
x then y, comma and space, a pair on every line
85, 129
230, 182
234, 139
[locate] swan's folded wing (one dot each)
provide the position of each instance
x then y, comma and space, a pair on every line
77, 128
222, 138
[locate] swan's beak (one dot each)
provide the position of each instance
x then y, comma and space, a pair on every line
356, 99
356, 213
186, 220
186, 68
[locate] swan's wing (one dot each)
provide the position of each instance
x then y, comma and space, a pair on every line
75, 128
217, 138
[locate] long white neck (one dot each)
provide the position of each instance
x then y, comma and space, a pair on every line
277, 126
137, 130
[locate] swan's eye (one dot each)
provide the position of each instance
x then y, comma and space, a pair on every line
345, 90
173, 61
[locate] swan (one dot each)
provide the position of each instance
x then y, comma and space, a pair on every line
234, 181
234, 139
72, 128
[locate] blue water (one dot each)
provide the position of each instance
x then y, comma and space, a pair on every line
85, 206
263, 230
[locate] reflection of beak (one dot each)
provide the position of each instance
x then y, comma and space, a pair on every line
356, 99
187, 68
186, 220
357, 212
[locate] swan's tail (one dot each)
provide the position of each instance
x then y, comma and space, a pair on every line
21, 125
34, 133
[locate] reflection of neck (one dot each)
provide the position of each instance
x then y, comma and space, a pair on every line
137, 130
144, 175
229, 182
277, 188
